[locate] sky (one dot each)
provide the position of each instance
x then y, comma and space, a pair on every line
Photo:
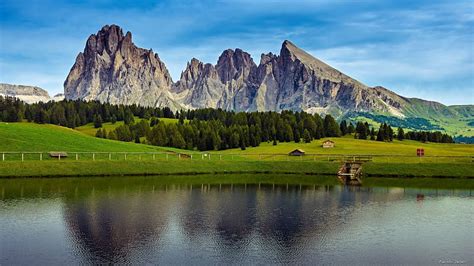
422, 49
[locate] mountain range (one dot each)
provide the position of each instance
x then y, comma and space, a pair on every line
113, 69
28, 94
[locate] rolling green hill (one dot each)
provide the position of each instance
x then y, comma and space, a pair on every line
30, 137
36, 137
349, 145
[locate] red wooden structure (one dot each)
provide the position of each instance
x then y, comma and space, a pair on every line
420, 152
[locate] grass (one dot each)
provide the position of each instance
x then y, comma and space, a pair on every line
30, 137
135, 167
139, 167
400, 159
349, 145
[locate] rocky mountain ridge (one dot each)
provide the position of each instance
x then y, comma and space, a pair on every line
113, 69
28, 94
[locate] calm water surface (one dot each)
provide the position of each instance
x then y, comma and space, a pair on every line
146, 220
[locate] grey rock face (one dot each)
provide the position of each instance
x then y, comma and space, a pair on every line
28, 94
293, 80
112, 69
230, 84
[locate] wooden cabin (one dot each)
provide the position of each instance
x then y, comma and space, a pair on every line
328, 144
297, 152
58, 154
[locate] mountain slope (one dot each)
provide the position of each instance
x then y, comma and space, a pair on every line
30, 137
28, 94
112, 69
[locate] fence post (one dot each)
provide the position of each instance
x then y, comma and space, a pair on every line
220, 157
209, 156
202, 156
77, 156
22, 157
41, 156
59, 157
93, 156
179, 156
153, 156
110, 156
3, 156
139, 157
167, 156
191, 157
125, 156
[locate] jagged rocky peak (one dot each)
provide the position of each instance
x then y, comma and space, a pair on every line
112, 69
234, 63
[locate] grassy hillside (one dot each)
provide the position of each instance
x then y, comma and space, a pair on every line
35, 137
349, 145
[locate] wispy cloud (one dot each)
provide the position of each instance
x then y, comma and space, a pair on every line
417, 48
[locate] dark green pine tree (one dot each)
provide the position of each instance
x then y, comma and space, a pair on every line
381, 133
400, 134
350, 128
331, 127
97, 121
306, 136
372, 134
343, 127
98, 134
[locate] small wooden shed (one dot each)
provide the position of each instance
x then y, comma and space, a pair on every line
328, 144
297, 152
58, 154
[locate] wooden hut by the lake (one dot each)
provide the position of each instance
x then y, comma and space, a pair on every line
297, 152
328, 144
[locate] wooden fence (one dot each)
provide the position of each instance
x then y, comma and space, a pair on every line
166, 156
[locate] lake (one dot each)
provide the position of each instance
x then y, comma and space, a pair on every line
224, 220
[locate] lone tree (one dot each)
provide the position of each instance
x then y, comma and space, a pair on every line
400, 134
306, 136
97, 121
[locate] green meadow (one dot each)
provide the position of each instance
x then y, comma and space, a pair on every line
391, 159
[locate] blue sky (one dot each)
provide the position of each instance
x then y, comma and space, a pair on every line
419, 49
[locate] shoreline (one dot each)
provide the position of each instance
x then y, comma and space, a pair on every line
11, 169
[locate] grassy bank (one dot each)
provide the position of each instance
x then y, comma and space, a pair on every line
135, 167
114, 168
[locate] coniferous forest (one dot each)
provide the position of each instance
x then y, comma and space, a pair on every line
202, 129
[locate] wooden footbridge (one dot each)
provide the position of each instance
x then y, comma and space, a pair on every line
350, 172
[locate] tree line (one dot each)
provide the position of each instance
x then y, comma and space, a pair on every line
202, 129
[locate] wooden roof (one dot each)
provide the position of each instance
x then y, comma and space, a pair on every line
298, 150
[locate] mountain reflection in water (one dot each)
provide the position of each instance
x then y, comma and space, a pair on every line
119, 221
